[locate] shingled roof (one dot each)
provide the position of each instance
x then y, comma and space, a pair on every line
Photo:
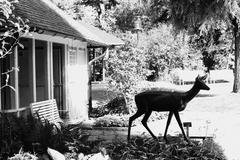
44, 15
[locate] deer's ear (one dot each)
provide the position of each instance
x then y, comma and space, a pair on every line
198, 77
203, 77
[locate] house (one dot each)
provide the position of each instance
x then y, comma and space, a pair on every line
54, 61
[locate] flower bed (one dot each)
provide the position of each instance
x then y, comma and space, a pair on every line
150, 149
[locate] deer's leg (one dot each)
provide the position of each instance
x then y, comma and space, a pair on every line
168, 123
144, 122
131, 119
180, 125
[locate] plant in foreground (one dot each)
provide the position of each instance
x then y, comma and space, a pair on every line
149, 149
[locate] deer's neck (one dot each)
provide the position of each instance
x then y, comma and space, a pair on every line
189, 95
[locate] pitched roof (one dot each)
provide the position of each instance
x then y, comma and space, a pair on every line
44, 15
98, 37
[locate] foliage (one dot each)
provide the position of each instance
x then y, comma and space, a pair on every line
150, 13
190, 15
12, 28
23, 156
112, 121
126, 67
28, 133
116, 106
154, 55
215, 45
199, 15
96, 4
166, 51
125, 15
145, 148
159, 11
121, 120
31, 135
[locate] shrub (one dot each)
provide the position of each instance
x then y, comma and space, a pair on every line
23, 156
33, 136
116, 106
112, 121
18, 132
115, 120
30, 134
147, 148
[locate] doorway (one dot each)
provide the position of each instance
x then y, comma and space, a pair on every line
58, 75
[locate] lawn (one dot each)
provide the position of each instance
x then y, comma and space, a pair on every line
215, 112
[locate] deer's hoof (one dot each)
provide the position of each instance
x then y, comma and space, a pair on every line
189, 142
166, 140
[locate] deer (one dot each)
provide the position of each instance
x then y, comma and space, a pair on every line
165, 101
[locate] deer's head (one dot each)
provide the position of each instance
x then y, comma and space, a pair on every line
200, 82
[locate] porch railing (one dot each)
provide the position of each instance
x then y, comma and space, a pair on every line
15, 111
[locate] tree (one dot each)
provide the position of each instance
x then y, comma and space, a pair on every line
215, 46
201, 15
126, 67
165, 51
11, 28
100, 7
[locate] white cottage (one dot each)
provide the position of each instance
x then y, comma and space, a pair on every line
54, 61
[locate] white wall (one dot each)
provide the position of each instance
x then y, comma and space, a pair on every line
76, 82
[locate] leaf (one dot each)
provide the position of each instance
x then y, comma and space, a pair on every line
21, 45
139, 142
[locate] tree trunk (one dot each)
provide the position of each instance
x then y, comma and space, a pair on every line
236, 85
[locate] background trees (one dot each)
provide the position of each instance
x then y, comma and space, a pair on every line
202, 16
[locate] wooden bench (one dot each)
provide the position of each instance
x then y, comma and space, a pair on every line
221, 75
46, 110
184, 76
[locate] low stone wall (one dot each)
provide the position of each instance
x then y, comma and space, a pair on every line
107, 134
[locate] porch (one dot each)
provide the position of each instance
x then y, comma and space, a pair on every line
46, 68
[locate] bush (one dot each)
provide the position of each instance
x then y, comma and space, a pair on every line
23, 156
115, 120
150, 149
112, 121
115, 106
31, 135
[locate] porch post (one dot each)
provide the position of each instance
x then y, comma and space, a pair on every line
65, 80
32, 71
49, 70
16, 80
0, 86
104, 64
